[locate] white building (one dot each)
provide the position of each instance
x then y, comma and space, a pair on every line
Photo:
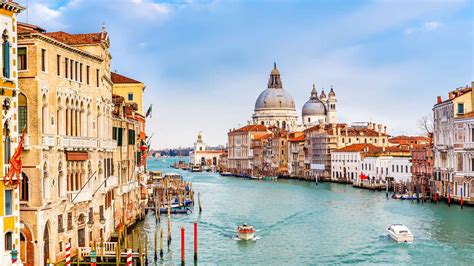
203, 157
463, 182
376, 163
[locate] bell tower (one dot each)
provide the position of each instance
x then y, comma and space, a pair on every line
331, 104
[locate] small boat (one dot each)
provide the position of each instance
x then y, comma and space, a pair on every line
196, 168
400, 233
226, 174
256, 177
176, 210
396, 196
245, 232
270, 177
408, 197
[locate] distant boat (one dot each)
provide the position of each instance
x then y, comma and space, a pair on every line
226, 174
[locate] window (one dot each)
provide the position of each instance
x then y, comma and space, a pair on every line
91, 215
76, 77
119, 136
130, 96
60, 223
88, 68
101, 212
43, 60
22, 113
66, 61
58, 65
8, 241
460, 108
114, 133
8, 202
69, 221
97, 77
80, 72
6, 55
71, 69
131, 137
22, 65
24, 189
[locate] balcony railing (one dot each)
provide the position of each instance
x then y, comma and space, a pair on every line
108, 144
75, 142
111, 182
49, 140
80, 196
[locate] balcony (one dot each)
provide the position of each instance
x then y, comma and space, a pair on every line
469, 146
108, 144
127, 187
75, 142
49, 140
82, 196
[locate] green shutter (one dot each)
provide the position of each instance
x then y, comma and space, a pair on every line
120, 137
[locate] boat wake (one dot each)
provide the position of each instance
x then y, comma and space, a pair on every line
255, 238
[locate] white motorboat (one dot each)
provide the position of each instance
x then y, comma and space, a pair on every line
245, 232
400, 233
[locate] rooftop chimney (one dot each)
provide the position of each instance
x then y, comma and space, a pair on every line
439, 100
385, 130
379, 129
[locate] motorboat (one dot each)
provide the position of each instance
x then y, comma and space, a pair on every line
400, 233
245, 232
226, 174
270, 177
196, 168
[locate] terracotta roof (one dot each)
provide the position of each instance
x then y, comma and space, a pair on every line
265, 136
360, 148
296, 137
76, 39
408, 138
351, 131
117, 78
260, 128
28, 28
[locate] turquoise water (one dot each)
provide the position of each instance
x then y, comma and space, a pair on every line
303, 223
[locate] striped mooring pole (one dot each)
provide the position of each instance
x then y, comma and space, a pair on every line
68, 254
182, 245
129, 257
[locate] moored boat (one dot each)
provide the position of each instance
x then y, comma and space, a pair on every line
245, 232
400, 233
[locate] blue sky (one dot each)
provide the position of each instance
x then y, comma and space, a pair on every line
205, 62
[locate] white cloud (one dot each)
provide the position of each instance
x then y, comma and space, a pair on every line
49, 18
425, 27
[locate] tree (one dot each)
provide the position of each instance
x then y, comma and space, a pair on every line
425, 124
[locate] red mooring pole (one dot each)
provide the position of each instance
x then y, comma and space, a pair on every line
182, 245
195, 240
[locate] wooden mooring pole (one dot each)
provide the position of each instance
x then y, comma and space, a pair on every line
161, 242
195, 241
199, 201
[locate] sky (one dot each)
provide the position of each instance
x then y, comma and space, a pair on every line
204, 63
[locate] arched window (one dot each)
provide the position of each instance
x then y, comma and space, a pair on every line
60, 180
44, 116
283, 124
6, 55
22, 113
8, 241
24, 188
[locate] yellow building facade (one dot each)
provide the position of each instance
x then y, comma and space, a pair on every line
9, 193
131, 90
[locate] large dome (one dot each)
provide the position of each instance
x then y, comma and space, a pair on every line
314, 106
275, 97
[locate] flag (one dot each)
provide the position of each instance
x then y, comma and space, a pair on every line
15, 163
148, 112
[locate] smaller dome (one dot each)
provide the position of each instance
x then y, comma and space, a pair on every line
314, 106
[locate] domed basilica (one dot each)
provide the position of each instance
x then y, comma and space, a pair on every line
276, 107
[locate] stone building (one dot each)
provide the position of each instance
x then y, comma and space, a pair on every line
386, 163
240, 156
296, 154
10, 194
462, 185
129, 200
422, 167
322, 139
445, 112
66, 94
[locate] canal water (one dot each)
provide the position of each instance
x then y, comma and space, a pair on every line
300, 222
